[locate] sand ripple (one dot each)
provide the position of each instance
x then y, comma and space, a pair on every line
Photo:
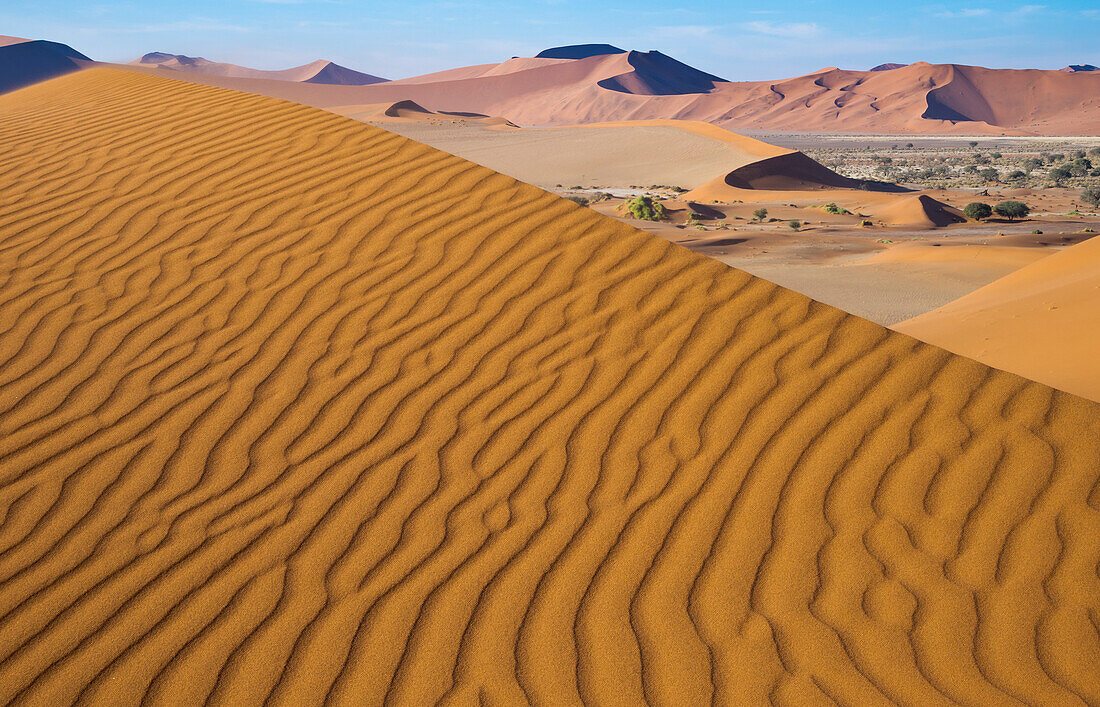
294, 409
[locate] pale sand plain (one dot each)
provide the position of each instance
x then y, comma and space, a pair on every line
293, 409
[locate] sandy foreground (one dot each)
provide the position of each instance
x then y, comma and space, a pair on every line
296, 409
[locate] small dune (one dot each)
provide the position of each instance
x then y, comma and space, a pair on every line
1042, 321
295, 410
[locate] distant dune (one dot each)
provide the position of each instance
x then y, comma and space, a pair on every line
321, 71
295, 410
27, 61
600, 87
1042, 321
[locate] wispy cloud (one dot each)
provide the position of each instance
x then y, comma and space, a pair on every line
794, 30
965, 12
1027, 10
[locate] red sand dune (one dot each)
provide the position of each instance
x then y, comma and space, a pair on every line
920, 97
321, 71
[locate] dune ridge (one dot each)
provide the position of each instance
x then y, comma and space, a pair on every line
294, 410
915, 98
321, 71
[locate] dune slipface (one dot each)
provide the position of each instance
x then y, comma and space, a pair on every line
295, 409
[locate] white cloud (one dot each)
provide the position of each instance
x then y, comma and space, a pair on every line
965, 12
794, 30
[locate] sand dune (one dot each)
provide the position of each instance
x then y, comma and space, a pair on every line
1042, 321
294, 409
321, 71
24, 62
600, 87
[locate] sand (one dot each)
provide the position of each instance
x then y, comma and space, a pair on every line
1042, 321
946, 99
294, 409
642, 153
321, 71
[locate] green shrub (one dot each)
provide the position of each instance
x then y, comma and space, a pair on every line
1091, 195
1060, 174
977, 210
760, 214
1037, 232
1015, 175
646, 209
795, 224
866, 223
578, 200
1012, 209
989, 175
832, 208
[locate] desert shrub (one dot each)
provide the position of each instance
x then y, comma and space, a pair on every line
908, 144
1078, 154
578, 200
1037, 232
1055, 157
989, 174
646, 209
995, 155
760, 214
1012, 209
1091, 195
1095, 151
578, 186
866, 223
970, 169
1015, 175
601, 196
832, 208
977, 210
795, 224
973, 143
1060, 174
695, 217
1032, 163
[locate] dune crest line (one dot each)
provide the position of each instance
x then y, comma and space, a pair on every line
296, 410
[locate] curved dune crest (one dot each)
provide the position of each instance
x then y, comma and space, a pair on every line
292, 408
1042, 321
321, 71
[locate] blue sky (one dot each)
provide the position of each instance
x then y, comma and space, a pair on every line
736, 40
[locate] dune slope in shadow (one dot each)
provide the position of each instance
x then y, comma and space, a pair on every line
293, 408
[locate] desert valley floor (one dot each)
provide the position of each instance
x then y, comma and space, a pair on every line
297, 410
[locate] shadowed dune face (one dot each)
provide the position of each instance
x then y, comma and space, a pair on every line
26, 62
292, 408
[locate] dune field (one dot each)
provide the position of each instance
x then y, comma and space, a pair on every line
296, 410
566, 87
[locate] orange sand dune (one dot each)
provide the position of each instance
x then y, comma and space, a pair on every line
1042, 321
293, 409
321, 71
